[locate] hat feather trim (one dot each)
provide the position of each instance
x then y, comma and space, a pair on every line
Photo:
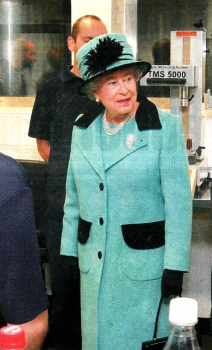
107, 52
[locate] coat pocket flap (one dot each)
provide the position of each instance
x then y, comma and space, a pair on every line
144, 236
83, 230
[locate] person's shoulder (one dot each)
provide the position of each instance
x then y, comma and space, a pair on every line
12, 176
168, 117
67, 75
54, 81
49, 85
60, 83
8, 163
11, 166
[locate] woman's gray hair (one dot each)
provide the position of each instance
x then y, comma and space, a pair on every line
92, 87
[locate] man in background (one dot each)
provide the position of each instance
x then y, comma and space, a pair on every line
17, 72
57, 105
55, 63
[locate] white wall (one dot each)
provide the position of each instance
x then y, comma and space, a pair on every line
100, 8
15, 141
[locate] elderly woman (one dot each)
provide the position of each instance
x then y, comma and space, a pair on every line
128, 202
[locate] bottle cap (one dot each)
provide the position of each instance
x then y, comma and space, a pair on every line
183, 311
12, 337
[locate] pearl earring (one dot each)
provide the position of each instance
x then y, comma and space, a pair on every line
97, 100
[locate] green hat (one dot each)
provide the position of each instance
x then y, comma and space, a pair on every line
107, 53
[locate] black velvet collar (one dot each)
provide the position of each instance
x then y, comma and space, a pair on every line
88, 117
147, 117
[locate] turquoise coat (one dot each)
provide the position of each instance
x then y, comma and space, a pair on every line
126, 223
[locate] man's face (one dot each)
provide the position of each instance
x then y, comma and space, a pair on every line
88, 29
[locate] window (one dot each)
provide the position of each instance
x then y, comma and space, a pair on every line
33, 44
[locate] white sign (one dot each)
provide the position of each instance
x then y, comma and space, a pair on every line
170, 75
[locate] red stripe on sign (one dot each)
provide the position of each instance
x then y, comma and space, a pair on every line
186, 33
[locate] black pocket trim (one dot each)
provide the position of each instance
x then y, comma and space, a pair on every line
83, 230
144, 236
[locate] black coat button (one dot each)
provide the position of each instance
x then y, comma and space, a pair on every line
101, 221
101, 186
99, 255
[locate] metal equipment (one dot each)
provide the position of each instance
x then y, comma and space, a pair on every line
186, 79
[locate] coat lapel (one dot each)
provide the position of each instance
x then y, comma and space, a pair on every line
90, 146
127, 146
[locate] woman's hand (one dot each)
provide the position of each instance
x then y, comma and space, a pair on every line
171, 283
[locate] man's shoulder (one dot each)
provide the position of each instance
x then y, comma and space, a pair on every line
64, 81
50, 85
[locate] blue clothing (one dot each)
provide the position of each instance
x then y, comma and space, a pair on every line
22, 293
127, 218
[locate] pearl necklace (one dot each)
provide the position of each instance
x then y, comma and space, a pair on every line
113, 131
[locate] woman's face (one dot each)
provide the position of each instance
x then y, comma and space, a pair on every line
118, 93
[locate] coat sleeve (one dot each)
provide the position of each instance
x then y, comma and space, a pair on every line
69, 242
176, 190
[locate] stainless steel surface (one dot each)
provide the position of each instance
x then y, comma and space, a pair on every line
130, 23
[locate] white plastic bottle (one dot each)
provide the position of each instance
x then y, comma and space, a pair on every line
12, 338
183, 317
